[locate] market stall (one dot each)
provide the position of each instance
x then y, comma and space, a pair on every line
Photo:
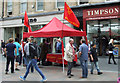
55, 28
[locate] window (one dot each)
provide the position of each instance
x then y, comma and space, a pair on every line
60, 3
9, 7
82, 2
23, 6
39, 5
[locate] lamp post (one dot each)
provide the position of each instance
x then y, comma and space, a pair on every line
99, 31
99, 40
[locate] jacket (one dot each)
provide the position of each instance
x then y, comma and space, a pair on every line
69, 53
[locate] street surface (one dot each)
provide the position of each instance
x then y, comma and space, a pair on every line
54, 73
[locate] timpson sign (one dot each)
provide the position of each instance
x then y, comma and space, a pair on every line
102, 13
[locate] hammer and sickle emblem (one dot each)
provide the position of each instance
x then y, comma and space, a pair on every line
69, 11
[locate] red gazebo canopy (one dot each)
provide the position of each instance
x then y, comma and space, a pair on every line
55, 28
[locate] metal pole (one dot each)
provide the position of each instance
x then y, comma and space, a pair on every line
99, 31
63, 47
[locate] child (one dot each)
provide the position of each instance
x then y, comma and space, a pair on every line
94, 59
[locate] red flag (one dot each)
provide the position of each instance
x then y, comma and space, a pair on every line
26, 22
70, 16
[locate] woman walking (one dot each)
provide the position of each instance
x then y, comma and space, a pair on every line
111, 47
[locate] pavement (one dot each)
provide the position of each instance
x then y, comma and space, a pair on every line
55, 73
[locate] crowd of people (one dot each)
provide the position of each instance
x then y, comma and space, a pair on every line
33, 53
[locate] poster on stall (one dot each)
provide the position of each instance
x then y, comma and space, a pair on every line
115, 52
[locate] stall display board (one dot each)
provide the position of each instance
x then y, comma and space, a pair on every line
57, 58
115, 52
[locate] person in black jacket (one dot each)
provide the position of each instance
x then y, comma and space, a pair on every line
111, 47
33, 62
94, 59
2, 46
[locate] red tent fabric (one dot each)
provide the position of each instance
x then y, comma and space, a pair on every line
55, 28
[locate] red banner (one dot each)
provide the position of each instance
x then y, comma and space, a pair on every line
70, 16
26, 22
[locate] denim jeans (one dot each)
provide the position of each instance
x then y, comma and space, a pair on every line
70, 65
26, 59
84, 65
96, 65
33, 63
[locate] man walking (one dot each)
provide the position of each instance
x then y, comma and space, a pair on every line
10, 47
18, 48
27, 54
33, 61
83, 56
69, 56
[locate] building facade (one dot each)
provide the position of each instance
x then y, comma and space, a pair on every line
40, 12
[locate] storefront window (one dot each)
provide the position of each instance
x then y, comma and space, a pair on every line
109, 28
92, 29
100, 30
115, 28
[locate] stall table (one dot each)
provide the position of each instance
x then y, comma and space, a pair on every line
57, 58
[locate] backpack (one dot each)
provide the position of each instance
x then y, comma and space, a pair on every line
32, 50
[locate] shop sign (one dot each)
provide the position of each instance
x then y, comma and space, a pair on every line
101, 12
30, 20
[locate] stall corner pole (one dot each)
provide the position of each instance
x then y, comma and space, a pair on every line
62, 54
22, 45
62, 46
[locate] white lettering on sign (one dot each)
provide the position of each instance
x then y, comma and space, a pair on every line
103, 11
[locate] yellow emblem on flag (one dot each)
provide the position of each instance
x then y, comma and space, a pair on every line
69, 10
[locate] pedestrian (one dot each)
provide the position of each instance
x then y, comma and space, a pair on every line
111, 47
18, 48
59, 45
94, 59
83, 56
44, 51
33, 61
9, 50
55, 45
27, 54
21, 53
69, 56
2, 47
104, 45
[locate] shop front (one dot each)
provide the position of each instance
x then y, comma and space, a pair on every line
101, 24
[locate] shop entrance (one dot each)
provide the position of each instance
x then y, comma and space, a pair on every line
100, 32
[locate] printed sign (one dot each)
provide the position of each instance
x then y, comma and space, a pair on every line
115, 52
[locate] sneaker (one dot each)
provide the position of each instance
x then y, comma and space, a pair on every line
71, 74
99, 73
109, 63
83, 77
17, 69
6, 72
13, 72
91, 72
22, 78
43, 80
